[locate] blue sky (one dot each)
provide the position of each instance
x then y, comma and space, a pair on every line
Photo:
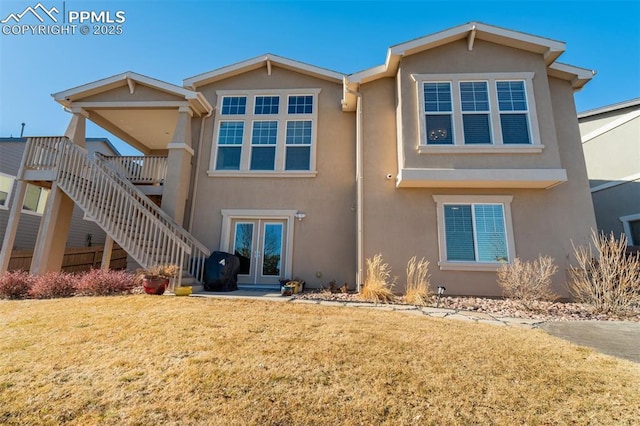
173, 40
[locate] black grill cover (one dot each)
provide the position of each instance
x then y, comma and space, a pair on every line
221, 272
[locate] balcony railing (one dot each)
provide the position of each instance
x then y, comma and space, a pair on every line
139, 170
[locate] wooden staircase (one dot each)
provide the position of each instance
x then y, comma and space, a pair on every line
148, 234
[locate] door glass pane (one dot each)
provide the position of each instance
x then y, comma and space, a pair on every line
272, 249
242, 246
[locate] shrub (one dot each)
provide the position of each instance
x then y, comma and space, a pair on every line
98, 282
609, 280
15, 284
417, 292
527, 281
377, 287
54, 284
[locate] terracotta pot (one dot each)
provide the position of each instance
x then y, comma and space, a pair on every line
154, 284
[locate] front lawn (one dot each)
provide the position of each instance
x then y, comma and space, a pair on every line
177, 360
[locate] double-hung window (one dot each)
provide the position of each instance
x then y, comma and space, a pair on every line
474, 102
474, 231
265, 131
512, 103
438, 113
474, 112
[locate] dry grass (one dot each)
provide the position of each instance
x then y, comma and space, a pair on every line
417, 292
377, 286
527, 281
608, 279
171, 360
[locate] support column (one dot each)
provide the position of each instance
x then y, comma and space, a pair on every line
54, 230
176, 184
54, 225
12, 225
106, 253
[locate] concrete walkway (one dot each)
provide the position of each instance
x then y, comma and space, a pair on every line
617, 338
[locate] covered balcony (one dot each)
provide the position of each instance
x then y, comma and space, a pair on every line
153, 117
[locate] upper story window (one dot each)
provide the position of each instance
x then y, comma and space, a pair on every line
234, 105
512, 103
267, 105
477, 113
265, 131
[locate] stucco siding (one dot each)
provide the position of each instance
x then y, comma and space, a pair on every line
401, 223
324, 241
485, 58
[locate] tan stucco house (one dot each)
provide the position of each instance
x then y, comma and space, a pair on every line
462, 147
611, 143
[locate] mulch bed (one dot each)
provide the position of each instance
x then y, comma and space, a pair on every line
546, 311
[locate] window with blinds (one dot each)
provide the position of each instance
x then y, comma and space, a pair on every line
476, 110
475, 233
512, 103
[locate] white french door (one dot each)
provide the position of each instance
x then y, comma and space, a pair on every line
261, 246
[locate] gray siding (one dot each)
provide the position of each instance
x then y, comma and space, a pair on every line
10, 159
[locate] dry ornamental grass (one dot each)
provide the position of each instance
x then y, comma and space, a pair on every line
169, 360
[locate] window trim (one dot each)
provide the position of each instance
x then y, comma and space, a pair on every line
447, 265
281, 118
626, 225
497, 146
36, 212
7, 202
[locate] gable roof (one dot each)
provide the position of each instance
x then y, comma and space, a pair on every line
258, 62
548, 48
196, 100
610, 108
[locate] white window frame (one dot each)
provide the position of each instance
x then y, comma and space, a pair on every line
442, 200
40, 201
229, 215
282, 117
496, 147
13, 183
626, 225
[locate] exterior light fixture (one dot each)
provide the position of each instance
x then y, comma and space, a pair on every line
441, 290
299, 216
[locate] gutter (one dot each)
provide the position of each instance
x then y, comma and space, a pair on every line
194, 186
359, 193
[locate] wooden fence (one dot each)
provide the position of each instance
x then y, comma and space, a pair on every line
76, 259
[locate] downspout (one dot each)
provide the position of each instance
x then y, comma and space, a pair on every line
195, 176
359, 192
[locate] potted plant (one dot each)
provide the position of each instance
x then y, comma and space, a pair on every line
156, 279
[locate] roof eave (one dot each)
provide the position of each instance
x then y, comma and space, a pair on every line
576, 75
256, 63
197, 101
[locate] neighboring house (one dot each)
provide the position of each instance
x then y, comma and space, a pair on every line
611, 144
82, 232
463, 148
